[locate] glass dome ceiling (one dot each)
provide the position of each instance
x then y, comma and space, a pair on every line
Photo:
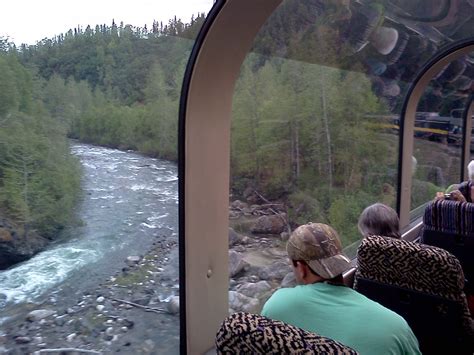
390, 41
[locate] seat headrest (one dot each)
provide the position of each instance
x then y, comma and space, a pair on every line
450, 217
410, 265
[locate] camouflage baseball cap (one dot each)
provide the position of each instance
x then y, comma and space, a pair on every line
319, 246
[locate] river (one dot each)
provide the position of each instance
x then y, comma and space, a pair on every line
127, 201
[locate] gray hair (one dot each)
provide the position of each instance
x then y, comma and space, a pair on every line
470, 169
379, 219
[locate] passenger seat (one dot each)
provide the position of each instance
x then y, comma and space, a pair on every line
423, 284
450, 225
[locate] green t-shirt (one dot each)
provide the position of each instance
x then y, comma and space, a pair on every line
345, 315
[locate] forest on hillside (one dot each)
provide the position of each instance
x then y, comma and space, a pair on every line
115, 86
39, 180
304, 128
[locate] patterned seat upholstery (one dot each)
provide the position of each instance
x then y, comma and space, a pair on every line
450, 225
245, 333
450, 217
423, 284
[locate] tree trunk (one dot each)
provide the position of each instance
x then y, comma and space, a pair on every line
25, 196
326, 127
254, 129
297, 152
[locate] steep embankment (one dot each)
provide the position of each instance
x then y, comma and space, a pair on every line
16, 244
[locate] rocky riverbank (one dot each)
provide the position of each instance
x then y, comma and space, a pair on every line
258, 262
133, 312
16, 244
136, 311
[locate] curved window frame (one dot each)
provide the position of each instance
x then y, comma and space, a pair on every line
204, 164
408, 115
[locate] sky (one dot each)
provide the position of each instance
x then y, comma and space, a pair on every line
28, 21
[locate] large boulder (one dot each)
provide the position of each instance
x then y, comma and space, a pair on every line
255, 289
239, 205
277, 271
274, 224
289, 280
173, 305
132, 260
241, 303
17, 245
39, 314
234, 237
236, 263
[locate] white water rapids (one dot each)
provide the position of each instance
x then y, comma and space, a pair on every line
128, 199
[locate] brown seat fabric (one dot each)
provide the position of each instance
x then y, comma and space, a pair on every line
450, 225
418, 273
245, 333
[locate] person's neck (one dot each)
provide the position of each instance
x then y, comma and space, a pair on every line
336, 281
313, 279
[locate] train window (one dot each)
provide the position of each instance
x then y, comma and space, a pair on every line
438, 133
315, 132
88, 176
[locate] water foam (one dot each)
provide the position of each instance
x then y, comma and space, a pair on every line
151, 226
29, 280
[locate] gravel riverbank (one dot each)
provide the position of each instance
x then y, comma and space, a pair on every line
127, 313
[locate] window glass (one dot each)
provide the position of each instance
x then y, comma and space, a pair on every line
88, 175
438, 133
315, 133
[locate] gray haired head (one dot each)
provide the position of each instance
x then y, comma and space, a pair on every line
379, 219
470, 169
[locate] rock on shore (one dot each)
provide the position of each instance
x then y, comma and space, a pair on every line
16, 244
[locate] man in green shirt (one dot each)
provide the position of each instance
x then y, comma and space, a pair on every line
323, 305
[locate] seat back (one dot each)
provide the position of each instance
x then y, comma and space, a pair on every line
424, 285
450, 225
245, 333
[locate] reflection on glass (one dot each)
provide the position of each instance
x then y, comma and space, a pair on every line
88, 188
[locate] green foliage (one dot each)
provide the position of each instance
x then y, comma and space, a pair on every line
422, 192
9, 90
303, 132
150, 128
305, 207
116, 86
344, 214
339, 210
116, 60
39, 180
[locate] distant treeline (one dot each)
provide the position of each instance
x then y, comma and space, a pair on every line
117, 86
